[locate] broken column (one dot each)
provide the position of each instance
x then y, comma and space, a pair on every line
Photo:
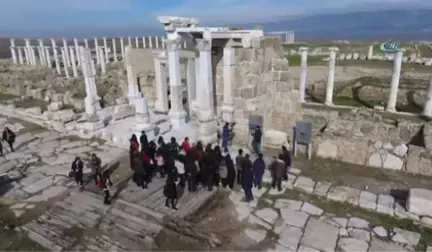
65, 67
330, 78
73, 61
13, 52
228, 79
106, 56
370, 52
177, 113
143, 115
103, 60
122, 48
20, 55
161, 103
207, 132
114, 46
67, 63
77, 57
133, 91
97, 51
56, 56
93, 81
427, 109
191, 83
303, 73
89, 101
394, 85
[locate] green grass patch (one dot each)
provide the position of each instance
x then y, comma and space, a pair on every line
295, 60
30, 102
7, 97
375, 218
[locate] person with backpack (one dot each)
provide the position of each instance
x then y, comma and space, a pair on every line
173, 147
225, 135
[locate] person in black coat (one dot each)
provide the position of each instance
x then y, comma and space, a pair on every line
287, 159
1, 148
140, 170
170, 191
191, 173
107, 184
207, 171
151, 153
143, 141
96, 164
77, 169
9, 137
231, 172
258, 170
217, 157
247, 179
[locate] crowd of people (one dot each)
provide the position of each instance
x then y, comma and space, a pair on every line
8, 137
191, 165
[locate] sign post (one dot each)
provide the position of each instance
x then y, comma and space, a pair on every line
390, 46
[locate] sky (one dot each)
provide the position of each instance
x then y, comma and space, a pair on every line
126, 17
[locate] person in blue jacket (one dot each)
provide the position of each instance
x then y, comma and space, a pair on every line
225, 135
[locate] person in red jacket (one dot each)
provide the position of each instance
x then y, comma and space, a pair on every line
133, 147
186, 145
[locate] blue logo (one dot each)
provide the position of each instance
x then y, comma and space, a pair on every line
390, 46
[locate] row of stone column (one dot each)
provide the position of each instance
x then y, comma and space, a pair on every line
147, 42
394, 85
200, 97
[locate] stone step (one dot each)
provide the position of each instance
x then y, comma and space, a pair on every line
49, 235
133, 193
194, 201
138, 210
100, 243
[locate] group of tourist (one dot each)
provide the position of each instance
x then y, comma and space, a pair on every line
191, 165
8, 137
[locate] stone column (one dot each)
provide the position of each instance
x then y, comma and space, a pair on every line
39, 50
73, 61
20, 55
143, 115
136, 42
122, 49
86, 44
103, 61
114, 46
191, 83
228, 79
129, 41
157, 42
133, 91
207, 132
161, 104
96, 46
93, 81
177, 113
394, 85
330, 77
56, 56
13, 52
303, 74
427, 110
144, 42
65, 66
370, 52
77, 57
89, 101
150, 43
66, 51
105, 43
42, 56
33, 55
48, 57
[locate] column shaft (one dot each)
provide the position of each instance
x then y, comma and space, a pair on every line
303, 74
122, 48
114, 46
65, 67
394, 85
191, 83
228, 78
427, 109
330, 78
161, 103
73, 61
105, 43
20, 56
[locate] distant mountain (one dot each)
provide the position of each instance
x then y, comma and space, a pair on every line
364, 25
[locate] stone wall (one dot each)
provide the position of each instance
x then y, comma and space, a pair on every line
365, 138
263, 86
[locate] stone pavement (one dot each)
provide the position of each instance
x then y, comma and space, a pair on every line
301, 226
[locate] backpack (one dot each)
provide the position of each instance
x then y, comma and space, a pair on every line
172, 148
100, 182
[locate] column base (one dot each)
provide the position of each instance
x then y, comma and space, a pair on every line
160, 107
207, 129
391, 109
177, 119
90, 105
227, 113
328, 103
427, 110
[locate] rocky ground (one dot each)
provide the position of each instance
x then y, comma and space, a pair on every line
314, 212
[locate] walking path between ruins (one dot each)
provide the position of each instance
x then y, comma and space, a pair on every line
290, 220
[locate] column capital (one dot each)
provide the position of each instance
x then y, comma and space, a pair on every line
204, 44
173, 44
304, 49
